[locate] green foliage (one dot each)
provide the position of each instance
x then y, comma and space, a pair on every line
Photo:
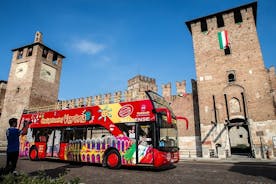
41, 178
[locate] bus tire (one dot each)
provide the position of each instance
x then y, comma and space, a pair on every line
33, 154
113, 159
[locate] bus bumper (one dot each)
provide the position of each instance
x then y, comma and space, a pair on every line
162, 158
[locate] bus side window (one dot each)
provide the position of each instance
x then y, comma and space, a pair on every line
127, 129
80, 133
40, 135
36, 135
89, 133
100, 132
145, 134
67, 135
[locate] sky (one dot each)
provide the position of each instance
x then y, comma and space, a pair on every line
108, 42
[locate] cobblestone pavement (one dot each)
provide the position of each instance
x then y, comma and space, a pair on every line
194, 172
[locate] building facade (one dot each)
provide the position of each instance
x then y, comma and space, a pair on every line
236, 93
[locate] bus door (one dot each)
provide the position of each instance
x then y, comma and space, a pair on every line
53, 143
144, 138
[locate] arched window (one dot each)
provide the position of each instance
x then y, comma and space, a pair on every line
235, 105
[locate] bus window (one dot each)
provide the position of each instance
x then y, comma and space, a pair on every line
80, 133
67, 135
100, 132
89, 133
41, 135
168, 134
128, 129
145, 134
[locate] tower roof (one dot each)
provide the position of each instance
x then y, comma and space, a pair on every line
253, 5
38, 41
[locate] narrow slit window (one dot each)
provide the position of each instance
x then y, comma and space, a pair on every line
203, 24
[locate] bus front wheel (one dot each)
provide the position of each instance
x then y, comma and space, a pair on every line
113, 159
33, 154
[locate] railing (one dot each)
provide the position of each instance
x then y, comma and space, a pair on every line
41, 109
189, 153
90, 101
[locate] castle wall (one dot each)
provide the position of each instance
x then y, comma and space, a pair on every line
248, 96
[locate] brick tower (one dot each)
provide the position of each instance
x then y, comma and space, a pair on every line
235, 94
138, 85
33, 81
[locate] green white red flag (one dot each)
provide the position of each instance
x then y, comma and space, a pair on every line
223, 39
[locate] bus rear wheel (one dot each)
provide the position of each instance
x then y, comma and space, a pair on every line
113, 159
33, 154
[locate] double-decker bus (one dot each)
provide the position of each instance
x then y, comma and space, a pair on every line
131, 133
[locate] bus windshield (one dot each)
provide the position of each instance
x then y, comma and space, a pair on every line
168, 134
159, 102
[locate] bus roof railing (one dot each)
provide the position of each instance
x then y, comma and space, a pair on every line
41, 109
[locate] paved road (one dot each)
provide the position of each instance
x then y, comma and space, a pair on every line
192, 172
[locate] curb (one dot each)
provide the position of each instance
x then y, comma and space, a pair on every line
264, 161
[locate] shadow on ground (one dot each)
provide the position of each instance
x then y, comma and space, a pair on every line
148, 168
253, 169
55, 172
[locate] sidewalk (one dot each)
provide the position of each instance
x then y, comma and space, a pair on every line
231, 160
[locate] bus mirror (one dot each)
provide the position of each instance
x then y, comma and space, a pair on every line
168, 113
185, 119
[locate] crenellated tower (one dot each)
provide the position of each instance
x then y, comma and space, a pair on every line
234, 91
138, 85
34, 80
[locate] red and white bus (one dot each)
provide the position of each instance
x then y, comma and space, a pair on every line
132, 133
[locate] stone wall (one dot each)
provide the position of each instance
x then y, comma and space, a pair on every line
264, 138
223, 101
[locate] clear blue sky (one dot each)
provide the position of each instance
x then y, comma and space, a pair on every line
107, 42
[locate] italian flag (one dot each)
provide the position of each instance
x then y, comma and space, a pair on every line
223, 39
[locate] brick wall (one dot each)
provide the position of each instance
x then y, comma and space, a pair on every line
252, 81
